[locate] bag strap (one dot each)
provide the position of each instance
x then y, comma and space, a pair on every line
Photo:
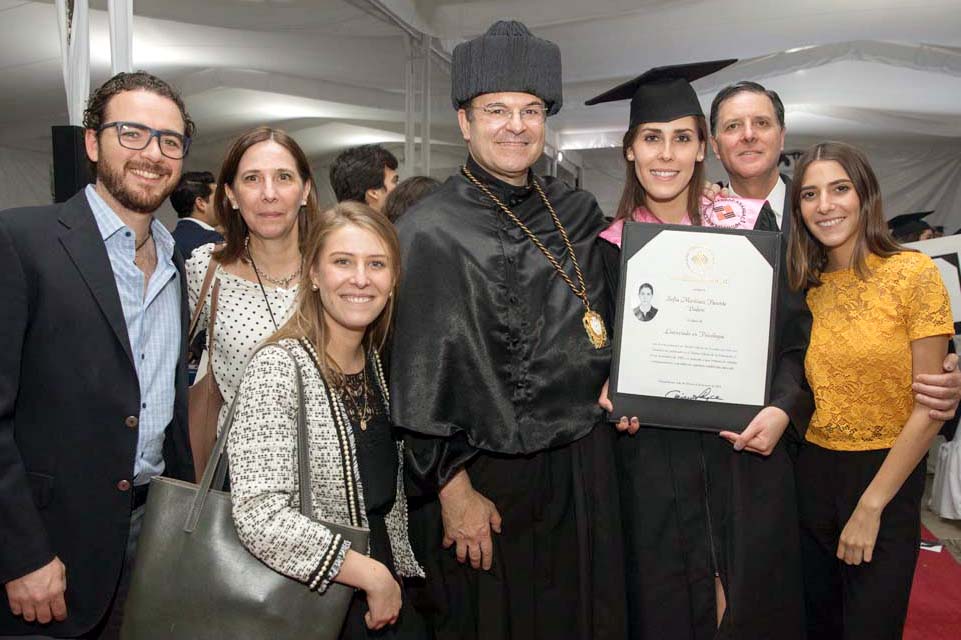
216, 470
211, 323
201, 299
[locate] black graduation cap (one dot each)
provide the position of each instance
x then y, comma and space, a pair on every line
663, 93
907, 224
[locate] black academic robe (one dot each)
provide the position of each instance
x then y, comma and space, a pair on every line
693, 507
492, 371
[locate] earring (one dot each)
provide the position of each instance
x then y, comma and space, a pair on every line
314, 287
234, 206
304, 203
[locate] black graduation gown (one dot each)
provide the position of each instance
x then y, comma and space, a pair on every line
492, 371
691, 505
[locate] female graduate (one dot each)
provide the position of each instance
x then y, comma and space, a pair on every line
710, 532
881, 317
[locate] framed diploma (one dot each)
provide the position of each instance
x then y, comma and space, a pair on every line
694, 328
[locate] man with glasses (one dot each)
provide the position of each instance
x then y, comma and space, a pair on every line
498, 358
92, 374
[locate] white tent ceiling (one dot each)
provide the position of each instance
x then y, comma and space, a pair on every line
332, 71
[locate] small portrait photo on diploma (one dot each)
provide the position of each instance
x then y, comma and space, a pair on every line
644, 309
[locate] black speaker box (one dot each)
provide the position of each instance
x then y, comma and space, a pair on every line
71, 169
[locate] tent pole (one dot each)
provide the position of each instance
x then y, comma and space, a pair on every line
409, 107
71, 172
425, 113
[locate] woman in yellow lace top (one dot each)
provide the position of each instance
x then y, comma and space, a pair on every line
881, 317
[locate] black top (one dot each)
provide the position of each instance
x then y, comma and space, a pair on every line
376, 461
489, 350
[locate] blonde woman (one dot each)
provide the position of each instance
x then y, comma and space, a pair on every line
337, 327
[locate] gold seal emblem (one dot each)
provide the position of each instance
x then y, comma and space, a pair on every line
700, 260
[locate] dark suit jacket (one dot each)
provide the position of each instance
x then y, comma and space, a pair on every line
189, 235
786, 221
68, 390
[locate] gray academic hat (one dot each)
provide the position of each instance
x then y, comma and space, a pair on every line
507, 58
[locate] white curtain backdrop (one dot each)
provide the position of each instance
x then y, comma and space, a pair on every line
75, 55
121, 35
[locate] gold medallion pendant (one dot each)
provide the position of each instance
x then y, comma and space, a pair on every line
593, 323
596, 331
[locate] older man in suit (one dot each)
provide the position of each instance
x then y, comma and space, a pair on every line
92, 375
747, 134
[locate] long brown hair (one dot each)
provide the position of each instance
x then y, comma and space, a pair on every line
308, 319
633, 195
806, 256
235, 229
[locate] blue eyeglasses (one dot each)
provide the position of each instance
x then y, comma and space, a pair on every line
136, 136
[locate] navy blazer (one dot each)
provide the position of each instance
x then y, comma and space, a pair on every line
69, 402
786, 220
189, 235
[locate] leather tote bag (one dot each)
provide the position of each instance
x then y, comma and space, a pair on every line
194, 579
204, 399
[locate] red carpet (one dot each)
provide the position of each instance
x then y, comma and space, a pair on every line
935, 609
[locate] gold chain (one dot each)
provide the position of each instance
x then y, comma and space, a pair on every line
582, 291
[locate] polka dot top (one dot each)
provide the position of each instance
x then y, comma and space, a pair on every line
242, 320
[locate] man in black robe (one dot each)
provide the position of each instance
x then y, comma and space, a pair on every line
495, 373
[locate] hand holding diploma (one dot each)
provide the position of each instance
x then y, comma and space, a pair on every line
630, 426
762, 433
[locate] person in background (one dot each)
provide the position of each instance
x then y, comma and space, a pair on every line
881, 317
367, 174
193, 200
93, 392
408, 193
911, 227
336, 330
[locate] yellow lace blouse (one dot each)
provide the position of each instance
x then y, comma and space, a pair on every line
859, 360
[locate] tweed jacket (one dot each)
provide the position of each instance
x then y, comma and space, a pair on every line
262, 450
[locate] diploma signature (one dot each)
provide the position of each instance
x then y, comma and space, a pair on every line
705, 394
